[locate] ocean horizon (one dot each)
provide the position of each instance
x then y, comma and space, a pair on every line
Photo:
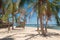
52, 26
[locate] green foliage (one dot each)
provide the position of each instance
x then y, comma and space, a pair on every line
22, 3
14, 7
5, 17
42, 9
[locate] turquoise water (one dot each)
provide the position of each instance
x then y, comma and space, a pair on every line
52, 26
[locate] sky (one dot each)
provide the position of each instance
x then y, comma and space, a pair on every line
33, 19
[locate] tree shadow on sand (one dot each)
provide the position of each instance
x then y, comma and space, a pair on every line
8, 37
48, 35
52, 34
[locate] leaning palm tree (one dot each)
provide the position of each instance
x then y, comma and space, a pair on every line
5, 12
23, 12
44, 8
55, 8
16, 6
13, 8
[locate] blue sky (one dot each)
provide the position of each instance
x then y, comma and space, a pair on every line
33, 19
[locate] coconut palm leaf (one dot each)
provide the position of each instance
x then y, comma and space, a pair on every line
0, 3
22, 3
55, 9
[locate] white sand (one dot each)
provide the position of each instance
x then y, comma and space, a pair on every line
29, 33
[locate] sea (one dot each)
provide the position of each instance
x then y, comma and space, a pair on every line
51, 26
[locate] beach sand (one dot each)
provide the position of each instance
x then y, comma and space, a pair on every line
29, 33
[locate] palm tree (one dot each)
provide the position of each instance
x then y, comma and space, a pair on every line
55, 8
6, 11
48, 14
23, 12
48, 10
16, 6
14, 9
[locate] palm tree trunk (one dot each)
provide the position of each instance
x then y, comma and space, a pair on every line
12, 21
41, 24
57, 20
8, 24
24, 21
19, 20
40, 16
37, 24
46, 25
